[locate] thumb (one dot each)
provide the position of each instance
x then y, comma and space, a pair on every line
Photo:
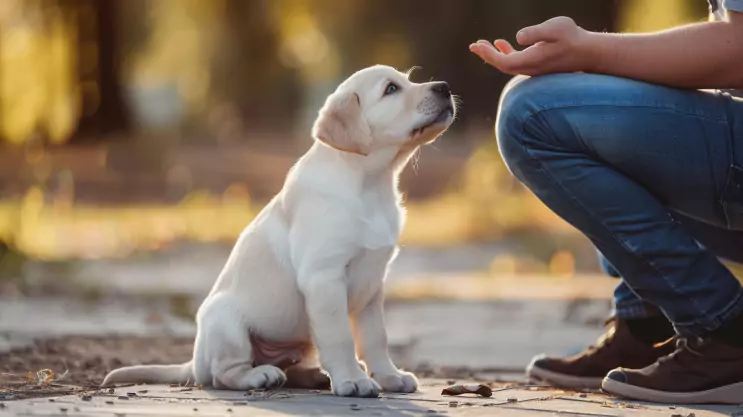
549, 31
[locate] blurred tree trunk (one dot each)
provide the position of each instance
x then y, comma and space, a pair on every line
104, 109
247, 71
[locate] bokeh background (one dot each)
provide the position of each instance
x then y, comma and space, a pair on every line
128, 126
139, 137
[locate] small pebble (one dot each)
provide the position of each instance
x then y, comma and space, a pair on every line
431, 411
677, 415
453, 404
111, 391
63, 409
229, 410
51, 400
672, 407
123, 397
110, 402
512, 400
583, 395
142, 391
131, 394
196, 409
451, 381
87, 398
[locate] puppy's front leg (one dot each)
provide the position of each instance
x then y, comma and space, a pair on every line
371, 337
326, 300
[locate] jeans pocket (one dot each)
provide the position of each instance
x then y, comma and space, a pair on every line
732, 198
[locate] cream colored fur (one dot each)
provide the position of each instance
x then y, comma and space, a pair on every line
301, 295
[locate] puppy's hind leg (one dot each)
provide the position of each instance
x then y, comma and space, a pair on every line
241, 376
307, 374
228, 353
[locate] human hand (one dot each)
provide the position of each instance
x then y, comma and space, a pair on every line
557, 45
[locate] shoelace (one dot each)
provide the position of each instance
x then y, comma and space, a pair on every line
685, 352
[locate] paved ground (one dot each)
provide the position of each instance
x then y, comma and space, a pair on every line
449, 324
495, 334
487, 341
191, 269
174, 401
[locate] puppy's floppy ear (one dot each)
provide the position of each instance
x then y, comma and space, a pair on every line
341, 126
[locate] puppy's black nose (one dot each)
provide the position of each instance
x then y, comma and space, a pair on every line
441, 89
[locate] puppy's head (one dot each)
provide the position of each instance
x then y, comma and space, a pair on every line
379, 107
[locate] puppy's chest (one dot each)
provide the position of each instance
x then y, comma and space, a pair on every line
381, 225
379, 232
365, 274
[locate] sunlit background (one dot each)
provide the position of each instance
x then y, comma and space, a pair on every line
137, 130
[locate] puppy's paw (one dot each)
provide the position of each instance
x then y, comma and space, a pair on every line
362, 387
397, 382
265, 377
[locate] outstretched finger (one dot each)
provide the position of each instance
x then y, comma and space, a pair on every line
487, 52
504, 46
508, 63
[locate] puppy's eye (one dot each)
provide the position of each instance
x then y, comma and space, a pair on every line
391, 88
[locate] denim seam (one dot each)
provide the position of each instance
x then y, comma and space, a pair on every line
719, 319
584, 209
635, 309
633, 303
636, 106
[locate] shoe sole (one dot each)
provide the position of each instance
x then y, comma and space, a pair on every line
563, 380
729, 394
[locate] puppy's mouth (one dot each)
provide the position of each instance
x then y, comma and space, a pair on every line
442, 119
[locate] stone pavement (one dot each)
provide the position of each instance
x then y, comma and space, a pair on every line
497, 334
161, 400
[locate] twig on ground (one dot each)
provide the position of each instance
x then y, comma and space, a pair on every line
550, 397
561, 412
522, 386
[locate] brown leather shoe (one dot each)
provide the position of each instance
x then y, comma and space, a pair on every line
697, 372
616, 348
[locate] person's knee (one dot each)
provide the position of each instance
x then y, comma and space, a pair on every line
520, 101
542, 114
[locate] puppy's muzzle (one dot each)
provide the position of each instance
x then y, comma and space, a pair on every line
441, 90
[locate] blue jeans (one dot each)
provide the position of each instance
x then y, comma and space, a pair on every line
653, 176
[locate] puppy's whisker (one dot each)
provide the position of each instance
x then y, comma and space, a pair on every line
416, 158
412, 69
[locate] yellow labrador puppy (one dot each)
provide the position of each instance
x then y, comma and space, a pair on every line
300, 299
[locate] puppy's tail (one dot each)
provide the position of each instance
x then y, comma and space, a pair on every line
153, 374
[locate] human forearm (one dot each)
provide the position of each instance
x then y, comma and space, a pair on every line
704, 55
